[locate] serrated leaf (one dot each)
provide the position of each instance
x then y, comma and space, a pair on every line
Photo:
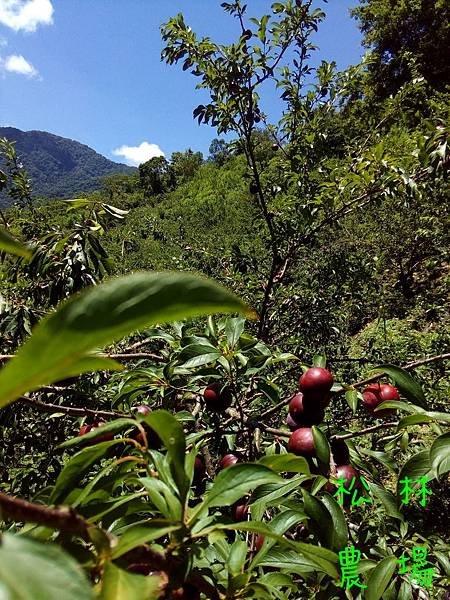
234, 482
170, 430
112, 427
234, 328
338, 537
76, 467
388, 499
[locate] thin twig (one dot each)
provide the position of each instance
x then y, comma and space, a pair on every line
69, 410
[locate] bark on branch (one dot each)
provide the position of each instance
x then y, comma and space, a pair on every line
63, 519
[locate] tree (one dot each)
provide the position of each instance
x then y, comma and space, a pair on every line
409, 39
218, 152
184, 165
156, 176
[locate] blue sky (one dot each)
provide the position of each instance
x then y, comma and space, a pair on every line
90, 70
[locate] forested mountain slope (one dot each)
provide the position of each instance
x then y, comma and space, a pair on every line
58, 166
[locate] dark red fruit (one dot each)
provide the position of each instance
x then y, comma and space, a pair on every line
292, 423
187, 592
86, 428
199, 469
316, 380
340, 452
306, 411
388, 392
153, 439
143, 410
240, 512
347, 472
217, 397
301, 442
259, 541
275, 147
375, 394
228, 461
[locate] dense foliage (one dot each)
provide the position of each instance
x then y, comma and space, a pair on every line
152, 451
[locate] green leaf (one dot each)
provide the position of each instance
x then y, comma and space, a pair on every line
382, 457
170, 430
320, 360
388, 499
351, 397
321, 445
118, 584
286, 463
12, 246
136, 535
418, 466
323, 559
238, 554
111, 427
320, 518
234, 328
413, 420
103, 314
234, 482
30, 570
440, 455
76, 467
339, 533
407, 385
162, 498
380, 577
444, 561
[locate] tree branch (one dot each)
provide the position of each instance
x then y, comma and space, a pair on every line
63, 519
71, 411
347, 436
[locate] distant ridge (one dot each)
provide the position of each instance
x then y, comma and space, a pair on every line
59, 167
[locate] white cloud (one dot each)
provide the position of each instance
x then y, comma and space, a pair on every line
26, 15
16, 63
136, 155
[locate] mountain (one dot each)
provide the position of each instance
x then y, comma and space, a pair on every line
59, 167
